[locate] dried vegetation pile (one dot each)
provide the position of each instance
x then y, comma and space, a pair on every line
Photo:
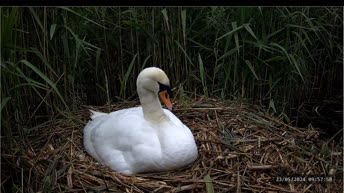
240, 150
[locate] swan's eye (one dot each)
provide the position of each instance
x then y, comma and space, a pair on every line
166, 88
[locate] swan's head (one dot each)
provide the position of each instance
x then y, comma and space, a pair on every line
155, 81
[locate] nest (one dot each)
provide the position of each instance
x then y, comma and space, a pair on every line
240, 150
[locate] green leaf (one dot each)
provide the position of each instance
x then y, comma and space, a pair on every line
304, 45
130, 68
99, 51
77, 39
181, 47
217, 68
290, 58
296, 65
145, 61
272, 86
236, 38
251, 68
66, 47
272, 34
248, 28
30, 81
45, 78
4, 102
34, 14
202, 74
209, 185
101, 88
126, 76
301, 27
44, 60
52, 31
229, 53
229, 33
200, 45
260, 45
70, 10
133, 13
260, 10
7, 31
272, 105
183, 15
164, 13
98, 56
324, 149
201, 68
31, 84
286, 117
10, 22
274, 59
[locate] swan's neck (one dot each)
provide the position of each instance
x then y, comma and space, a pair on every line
151, 106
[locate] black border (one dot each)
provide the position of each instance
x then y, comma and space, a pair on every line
173, 3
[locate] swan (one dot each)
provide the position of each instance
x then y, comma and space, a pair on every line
142, 139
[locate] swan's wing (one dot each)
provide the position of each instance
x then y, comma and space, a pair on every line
88, 130
186, 149
174, 119
126, 142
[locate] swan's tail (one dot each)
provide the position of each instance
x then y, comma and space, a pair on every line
97, 114
89, 129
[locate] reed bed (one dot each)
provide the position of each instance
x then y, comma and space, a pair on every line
288, 59
241, 149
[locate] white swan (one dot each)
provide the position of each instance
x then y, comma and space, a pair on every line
142, 139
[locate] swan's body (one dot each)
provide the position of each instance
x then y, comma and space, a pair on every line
141, 139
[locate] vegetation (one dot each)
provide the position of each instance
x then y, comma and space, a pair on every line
53, 60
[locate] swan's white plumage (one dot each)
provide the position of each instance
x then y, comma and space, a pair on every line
141, 139
97, 114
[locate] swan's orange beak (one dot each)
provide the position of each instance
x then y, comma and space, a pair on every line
166, 98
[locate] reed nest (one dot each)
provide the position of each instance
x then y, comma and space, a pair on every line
240, 150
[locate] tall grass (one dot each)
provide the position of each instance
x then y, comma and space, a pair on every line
54, 59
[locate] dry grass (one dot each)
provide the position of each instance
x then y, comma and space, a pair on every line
240, 150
